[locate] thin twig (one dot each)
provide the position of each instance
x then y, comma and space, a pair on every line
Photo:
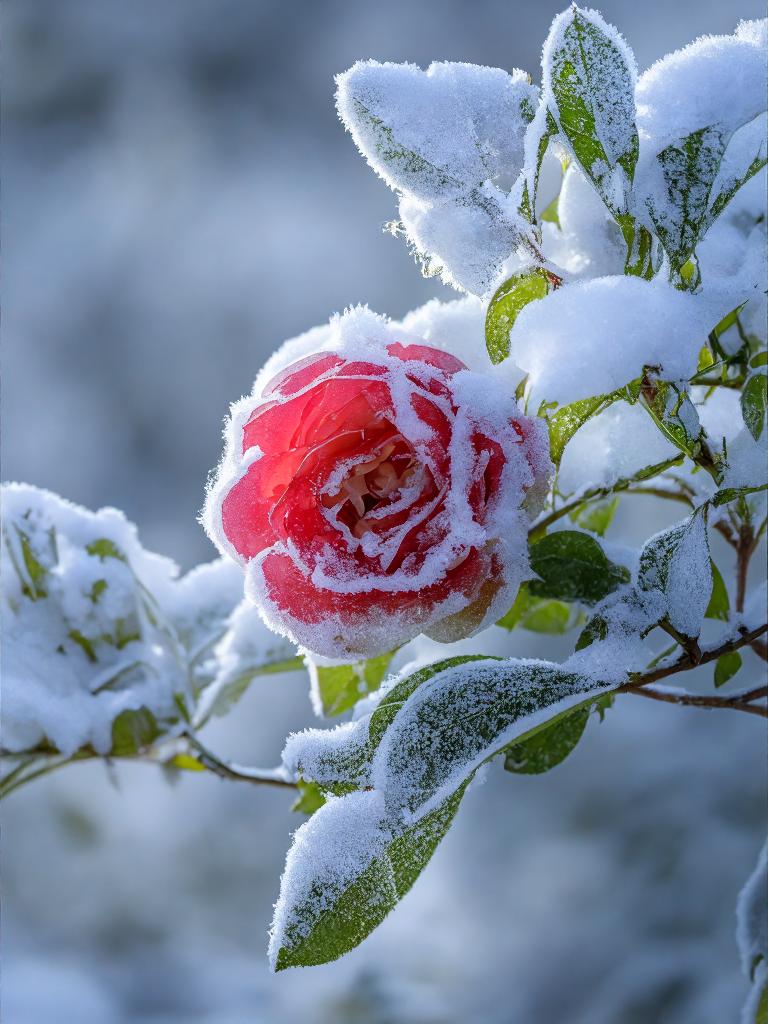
225, 770
622, 486
736, 701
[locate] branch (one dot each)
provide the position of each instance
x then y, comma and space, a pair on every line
622, 486
689, 660
225, 770
737, 701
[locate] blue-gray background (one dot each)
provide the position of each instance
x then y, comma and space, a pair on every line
179, 198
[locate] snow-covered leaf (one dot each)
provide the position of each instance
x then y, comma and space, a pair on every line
680, 206
449, 141
676, 563
589, 77
359, 853
754, 402
345, 872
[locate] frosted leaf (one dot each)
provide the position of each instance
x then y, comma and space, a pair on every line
341, 844
346, 870
689, 105
438, 133
716, 81
359, 854
592, 337
752, 935
245, 649
449, 141
589, 77
676, 563
744, 157
460, 719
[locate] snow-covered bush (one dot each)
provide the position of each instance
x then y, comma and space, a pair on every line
463, 467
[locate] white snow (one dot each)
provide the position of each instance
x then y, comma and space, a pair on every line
718, 81
89, 634
449, 141
591, 337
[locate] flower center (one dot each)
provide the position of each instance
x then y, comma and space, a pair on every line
372, 486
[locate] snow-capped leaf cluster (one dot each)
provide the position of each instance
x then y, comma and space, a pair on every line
104, 641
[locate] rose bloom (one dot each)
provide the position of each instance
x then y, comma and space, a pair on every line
377, 491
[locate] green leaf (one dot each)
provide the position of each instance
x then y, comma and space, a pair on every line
688, 169
437, 741
726, 667
539, 615
546, 749
728, 494
754, 401
573, 567
677, 563
310, 799
132, 731
105, 548
719, 603
505, 306
322, 930
186, 763
567, 420
596, 516
760, 359
340, 687
550, 213
593, 85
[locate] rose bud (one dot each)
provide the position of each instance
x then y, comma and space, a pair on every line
375, 492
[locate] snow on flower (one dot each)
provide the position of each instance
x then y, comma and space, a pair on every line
375, 490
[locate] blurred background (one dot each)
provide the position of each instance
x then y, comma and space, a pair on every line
180, 198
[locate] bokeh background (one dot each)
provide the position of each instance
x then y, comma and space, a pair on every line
179, 198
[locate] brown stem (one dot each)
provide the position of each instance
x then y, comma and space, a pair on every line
738, 702
744, 549
225, 770
684, 662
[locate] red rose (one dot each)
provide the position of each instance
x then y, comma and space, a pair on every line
376, 495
